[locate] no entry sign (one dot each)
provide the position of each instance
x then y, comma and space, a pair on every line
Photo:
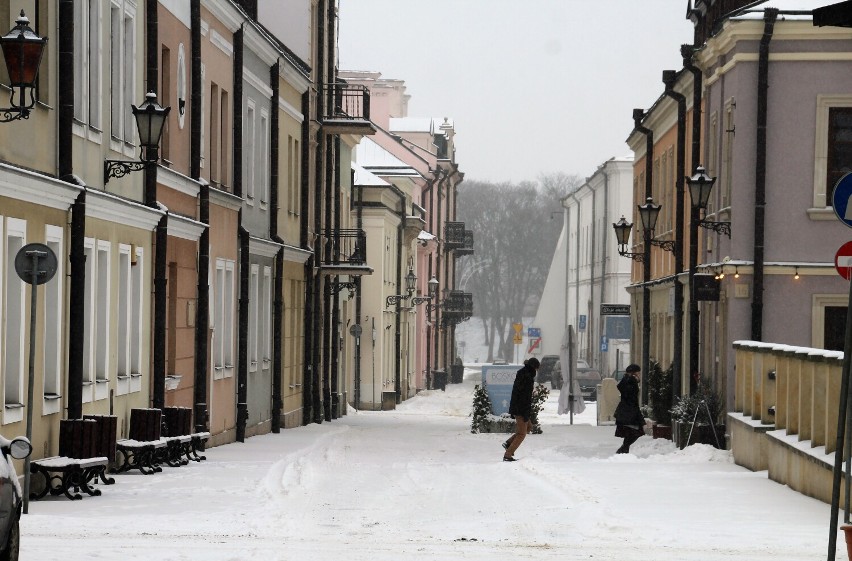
843, 260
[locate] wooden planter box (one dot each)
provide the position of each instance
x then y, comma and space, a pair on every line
701, 434
662, 431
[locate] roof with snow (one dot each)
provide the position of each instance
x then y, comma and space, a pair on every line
367, 179
372, 157
420, 124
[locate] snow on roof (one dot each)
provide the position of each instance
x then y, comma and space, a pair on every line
367, 179
420, 124
426, 236
377, 160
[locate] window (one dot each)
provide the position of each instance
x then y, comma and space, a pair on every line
214, 134
124, 312
266, 315
248, 147
253, 318
136, 328
102, 320
839, 147
263, 163
13, 366
224, 137
88, 316
53, 304
833, 141
87, 62
122, 76
223, 319
828, 325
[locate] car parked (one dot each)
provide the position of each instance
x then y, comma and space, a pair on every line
11, 496
588, 380
545, 371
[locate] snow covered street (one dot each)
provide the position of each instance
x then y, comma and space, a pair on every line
416, 484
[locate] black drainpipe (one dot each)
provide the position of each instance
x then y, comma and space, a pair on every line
242, 368
442, 176
202, 310
305, 243
335, 303
400, 236
638, 115
769, 17
604, 258
669, 79
326, 281
77, 256
238, 112
592, 327
359, 224
450, 282
277, 303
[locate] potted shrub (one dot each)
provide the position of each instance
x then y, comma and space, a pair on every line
660, 397
696, 417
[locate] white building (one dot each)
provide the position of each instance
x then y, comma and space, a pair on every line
586, 269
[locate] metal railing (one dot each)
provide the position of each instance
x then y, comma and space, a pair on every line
349, 102
348, 247
454, 235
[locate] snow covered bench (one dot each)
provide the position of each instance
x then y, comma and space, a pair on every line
83, 460
178, 422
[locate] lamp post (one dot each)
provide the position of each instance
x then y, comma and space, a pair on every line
150, 119
22, 52
648, 214
700, 186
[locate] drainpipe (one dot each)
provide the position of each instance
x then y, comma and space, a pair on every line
77, 256
242, 369
305, 243
446, 257
328, 242
669, 79
638, 115
769, 17
202, 310
441, 176
400, 231
238, 112
577, 266
158, 397
277, 302
593, 351
604, 259
335, 309
360, 225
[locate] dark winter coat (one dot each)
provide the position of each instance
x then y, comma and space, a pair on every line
522, 389
628, 412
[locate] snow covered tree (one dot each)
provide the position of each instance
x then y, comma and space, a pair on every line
481, 410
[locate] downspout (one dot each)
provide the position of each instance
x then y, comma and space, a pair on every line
277, 302
335, 309
305, 243
359, 224
603, 261
158, 396
77, 256
238, 112
202, 310
449, 282
770, 15
400, 231
328, 242
593, 349
242, 369
442, 176
638, 115
577, 266
315, 407
669, 79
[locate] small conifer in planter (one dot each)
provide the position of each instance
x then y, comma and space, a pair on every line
660, 395
696, 417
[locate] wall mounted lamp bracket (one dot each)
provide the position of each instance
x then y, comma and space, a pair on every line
718, 227
395, 299
668, 245
120, 168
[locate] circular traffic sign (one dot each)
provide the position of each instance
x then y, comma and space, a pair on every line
841, 198
355, 330
31, 254
843, 260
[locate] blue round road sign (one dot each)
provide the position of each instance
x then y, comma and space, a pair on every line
841, 199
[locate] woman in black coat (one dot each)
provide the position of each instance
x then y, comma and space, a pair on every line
520, 406
628, 417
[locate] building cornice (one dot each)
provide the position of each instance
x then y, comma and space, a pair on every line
31, 187
185, 228
225, 12
177, 181
263, 248
225, 199
110, 208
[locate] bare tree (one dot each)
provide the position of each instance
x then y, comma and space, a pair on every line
516, 231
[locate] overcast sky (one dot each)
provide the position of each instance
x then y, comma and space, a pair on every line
534, 86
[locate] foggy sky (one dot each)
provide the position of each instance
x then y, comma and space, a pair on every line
534, 86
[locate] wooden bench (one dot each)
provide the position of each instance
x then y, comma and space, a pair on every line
178, 422
143, 447
79, 464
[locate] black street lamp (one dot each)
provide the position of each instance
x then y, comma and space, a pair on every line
648, 214
700, 185
433, 289
22, 52
410, 285
150, 120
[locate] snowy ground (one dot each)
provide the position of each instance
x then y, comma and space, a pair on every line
415, 484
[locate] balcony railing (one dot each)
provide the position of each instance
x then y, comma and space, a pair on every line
467, 248
348, 252
457, 307
454, 235
347, 109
